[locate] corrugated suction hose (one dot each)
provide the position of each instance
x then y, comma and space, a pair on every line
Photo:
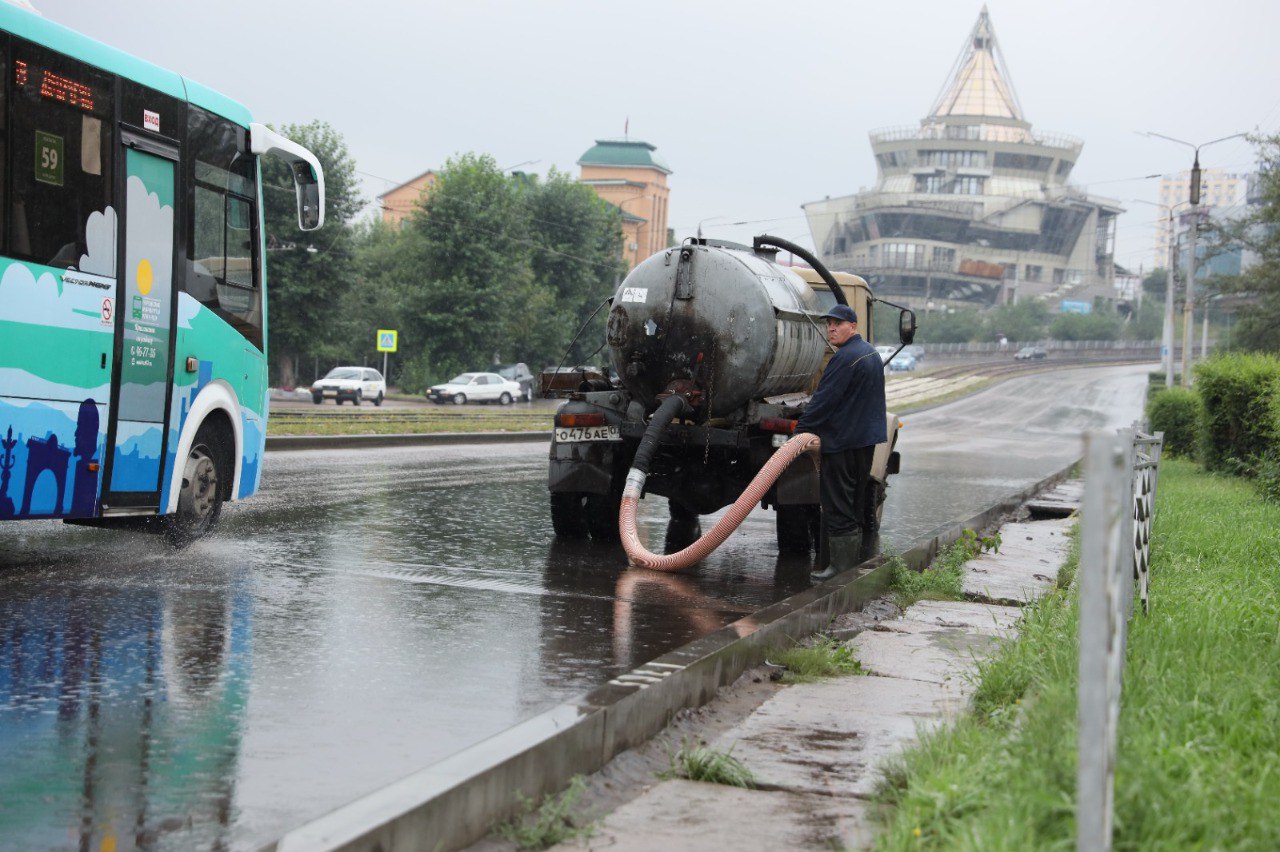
639, 557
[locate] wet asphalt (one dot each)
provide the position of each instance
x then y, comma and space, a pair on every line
372, 611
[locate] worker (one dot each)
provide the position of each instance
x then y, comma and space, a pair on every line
847, 412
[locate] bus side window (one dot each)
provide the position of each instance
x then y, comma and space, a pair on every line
60, 145
223, 264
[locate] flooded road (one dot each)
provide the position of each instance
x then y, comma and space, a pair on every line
373, 611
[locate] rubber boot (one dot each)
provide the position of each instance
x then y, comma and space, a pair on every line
844, 555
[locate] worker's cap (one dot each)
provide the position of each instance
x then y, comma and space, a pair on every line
844, 313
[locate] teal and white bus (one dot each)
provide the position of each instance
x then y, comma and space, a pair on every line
133, 283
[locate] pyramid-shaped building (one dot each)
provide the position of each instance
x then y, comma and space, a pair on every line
973, 206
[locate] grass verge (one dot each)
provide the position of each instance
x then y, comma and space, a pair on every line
942, 580
702, 763
1200, 713
543, 826
825, 657
417, 424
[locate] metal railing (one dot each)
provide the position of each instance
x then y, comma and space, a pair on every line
1121, 473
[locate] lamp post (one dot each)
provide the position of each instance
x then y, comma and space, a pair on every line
1189, 305
1166, 338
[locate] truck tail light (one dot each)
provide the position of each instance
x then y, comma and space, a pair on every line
778, 425
596, 419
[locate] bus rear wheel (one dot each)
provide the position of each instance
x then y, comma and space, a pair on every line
205, 477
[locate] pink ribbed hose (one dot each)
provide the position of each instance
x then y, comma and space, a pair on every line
639, 557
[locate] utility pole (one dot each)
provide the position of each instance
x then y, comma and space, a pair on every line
1188, 307
1168, 304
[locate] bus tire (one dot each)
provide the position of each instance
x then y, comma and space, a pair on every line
206, 480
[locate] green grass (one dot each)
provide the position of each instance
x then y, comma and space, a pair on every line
401, 424
701, 763
543, 826
1200, 714
826, 657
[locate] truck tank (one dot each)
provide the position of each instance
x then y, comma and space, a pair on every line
723, 321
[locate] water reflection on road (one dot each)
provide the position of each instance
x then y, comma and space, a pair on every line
374, 611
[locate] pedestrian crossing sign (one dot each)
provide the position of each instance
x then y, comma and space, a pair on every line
387, 339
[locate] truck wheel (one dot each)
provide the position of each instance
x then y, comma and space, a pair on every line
205, 478
795, 528
568, 515
874, 506
602, 516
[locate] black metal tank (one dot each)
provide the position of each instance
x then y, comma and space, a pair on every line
724, 319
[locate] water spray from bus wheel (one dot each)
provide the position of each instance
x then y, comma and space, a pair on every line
714, 349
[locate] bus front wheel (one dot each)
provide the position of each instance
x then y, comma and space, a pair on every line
204, 479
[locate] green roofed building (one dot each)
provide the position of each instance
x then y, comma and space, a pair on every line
629, 175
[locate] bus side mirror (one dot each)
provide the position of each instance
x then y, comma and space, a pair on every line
308, 177
906, 327
310, 205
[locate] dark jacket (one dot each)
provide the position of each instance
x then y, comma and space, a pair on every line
847, 411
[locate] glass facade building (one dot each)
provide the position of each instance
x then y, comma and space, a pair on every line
973, 205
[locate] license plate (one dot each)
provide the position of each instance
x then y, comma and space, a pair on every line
572, 434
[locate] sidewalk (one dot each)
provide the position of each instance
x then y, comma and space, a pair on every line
815, 749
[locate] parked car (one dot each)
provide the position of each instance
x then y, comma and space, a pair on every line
886, 352
353, 384
1028, 353
475, 387
520, 374
902, 362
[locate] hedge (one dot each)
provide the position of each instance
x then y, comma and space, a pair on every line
1238, 394
1177, 413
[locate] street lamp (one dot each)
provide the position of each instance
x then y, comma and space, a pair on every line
1166, 341
1188, 306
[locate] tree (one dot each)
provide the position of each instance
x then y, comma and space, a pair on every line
1024, 322
960, 326
1154, 283
308, 274
1100, 325
578, 257
1259, 231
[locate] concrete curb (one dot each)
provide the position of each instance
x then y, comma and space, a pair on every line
456, 801
342, 442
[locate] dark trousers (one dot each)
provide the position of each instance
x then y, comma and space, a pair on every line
843, 489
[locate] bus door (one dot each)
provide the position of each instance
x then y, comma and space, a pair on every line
137, 435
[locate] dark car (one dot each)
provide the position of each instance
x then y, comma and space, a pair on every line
1029, 353
520, 374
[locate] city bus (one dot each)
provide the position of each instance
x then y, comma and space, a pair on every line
133, 320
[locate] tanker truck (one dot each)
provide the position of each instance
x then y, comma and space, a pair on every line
738, 338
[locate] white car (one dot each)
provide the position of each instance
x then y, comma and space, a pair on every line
350, 383
476, 387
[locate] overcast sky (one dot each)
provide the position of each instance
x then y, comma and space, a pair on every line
756, 107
